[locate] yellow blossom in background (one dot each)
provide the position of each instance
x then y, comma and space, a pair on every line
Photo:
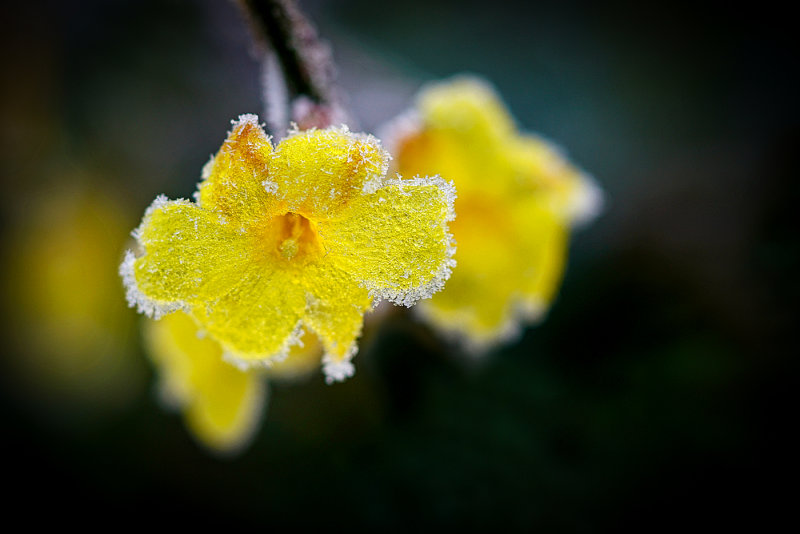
72, 334
518, 196
222, 404
308, 234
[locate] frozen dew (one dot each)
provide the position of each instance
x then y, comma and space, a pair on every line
588, 202
270, 187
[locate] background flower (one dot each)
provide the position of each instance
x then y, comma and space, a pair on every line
76, 343
518, 198
222, 404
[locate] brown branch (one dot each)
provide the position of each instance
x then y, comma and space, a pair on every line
305, 61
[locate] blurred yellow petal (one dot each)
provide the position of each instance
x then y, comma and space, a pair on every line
69, 332
424, 149
543, 247
318, 172
541, 167
222, 404
510, 262
469, 108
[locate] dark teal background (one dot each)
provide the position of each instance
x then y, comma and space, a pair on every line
658, 392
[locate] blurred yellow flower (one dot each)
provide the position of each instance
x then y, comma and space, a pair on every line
307, 234
222, 405
517, 198
72, 333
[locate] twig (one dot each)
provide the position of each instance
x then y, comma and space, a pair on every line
304, 60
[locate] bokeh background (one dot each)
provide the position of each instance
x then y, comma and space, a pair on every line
657, 393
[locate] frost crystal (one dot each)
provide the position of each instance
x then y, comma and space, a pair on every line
337, 371
270, 187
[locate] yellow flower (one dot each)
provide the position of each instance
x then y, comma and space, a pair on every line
71, 333
307, 234
518, 197
222, 405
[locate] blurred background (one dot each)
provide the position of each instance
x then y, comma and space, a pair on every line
656, 394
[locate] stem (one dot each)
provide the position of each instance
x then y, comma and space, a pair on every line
304, 60
274, 93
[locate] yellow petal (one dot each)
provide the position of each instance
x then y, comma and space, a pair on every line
542, 169
317, 172
335, 312
542, 251
459, 133
222, 405
258, 320
476, 299
426, 152
395, 241
236, 182
190, 255
469, 108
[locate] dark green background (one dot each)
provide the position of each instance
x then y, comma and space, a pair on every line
658, 392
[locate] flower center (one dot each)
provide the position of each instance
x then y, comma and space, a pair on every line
293, 237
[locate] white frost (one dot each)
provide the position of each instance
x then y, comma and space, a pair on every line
405, 125
338, 370
587, 203
270, 187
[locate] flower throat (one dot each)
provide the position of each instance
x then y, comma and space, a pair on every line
293, 237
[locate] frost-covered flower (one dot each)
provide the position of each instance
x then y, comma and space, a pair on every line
518, 197
309, 233
222, 405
